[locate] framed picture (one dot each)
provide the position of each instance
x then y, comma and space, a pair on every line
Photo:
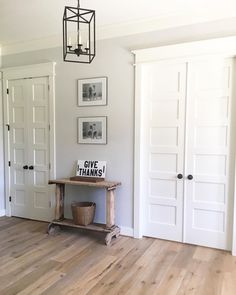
92, 130
92, 92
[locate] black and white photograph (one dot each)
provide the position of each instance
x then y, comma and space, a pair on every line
92, 92
92, 130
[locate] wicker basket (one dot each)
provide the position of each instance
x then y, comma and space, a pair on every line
83, 212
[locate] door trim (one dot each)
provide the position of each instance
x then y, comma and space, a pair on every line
21, 72
222, 47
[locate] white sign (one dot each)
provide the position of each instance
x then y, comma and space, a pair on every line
91, 168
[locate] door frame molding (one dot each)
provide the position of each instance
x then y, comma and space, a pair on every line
220, 47
21, 72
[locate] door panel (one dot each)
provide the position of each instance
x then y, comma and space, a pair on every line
39, 148
163, 131
207, 153
18, 148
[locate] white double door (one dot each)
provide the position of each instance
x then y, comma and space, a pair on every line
187, 151
29, 148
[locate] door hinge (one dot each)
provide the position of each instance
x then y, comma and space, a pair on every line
48, 87
9, 163
8, 127
7, 90
9, 198
49, 166
49, 127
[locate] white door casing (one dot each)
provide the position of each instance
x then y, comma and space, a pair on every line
145, 57
201, 142
40, 84
163, 108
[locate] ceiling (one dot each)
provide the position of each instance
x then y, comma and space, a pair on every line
26, 20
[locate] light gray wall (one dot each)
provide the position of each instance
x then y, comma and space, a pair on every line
119, 150
113, 60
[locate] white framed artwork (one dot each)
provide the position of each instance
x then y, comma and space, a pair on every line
92, 92
92, 130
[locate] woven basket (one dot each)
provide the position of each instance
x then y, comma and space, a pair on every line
83, 212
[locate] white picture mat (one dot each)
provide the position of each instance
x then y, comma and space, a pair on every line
91, 120
92, 81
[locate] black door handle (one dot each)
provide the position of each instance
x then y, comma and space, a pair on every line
31, 167
180, 176
25, 167
190, 177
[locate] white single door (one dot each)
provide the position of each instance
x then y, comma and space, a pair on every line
208, 194
29, 148
19, 188
163, 95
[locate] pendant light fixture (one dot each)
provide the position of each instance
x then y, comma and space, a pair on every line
79, 34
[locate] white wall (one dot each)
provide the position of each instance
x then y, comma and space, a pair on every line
115, 61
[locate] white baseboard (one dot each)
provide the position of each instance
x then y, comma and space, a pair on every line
126, 231
2, 212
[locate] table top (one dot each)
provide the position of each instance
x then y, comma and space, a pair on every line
101, 184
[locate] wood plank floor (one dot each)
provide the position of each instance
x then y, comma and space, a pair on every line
73, 262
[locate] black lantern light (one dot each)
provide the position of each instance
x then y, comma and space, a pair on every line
79, 34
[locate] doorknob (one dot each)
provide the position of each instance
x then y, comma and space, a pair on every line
25, 167
31, 167
180, 176
190, 177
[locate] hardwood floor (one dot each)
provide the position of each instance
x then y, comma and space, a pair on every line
74, 262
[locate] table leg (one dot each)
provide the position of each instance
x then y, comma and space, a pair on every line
110, 208
59, 209
113, 234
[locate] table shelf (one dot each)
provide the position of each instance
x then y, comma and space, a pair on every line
100, 227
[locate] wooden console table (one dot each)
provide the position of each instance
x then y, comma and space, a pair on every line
109, 228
